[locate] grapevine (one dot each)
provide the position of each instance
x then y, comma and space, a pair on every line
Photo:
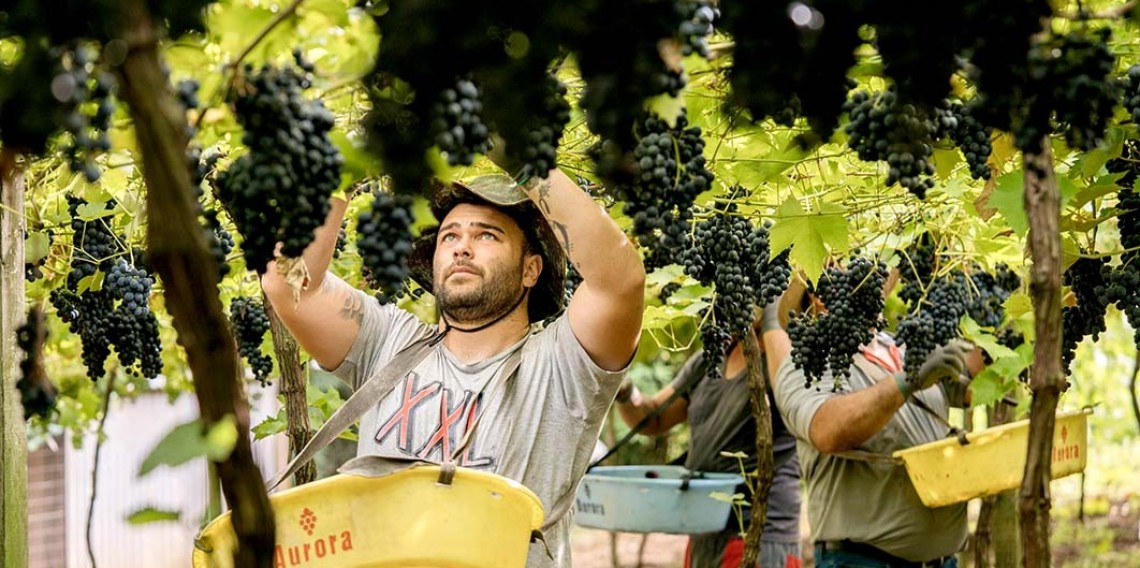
384, 240
250, 322
827, 342
279, 191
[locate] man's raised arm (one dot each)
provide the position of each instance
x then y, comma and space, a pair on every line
326, 319
605, 311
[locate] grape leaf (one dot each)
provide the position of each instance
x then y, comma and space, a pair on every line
36, 246
1008, 198
812, 233
152, 515
191, 440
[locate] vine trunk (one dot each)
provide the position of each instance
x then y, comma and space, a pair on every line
1043, 208
177, 250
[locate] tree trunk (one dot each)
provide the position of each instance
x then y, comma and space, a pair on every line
996, 536
1007, 536
982, 543
294, 389
177, 250
1043, 207
13, 433
765, 468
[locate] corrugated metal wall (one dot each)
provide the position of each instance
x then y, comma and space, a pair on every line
46, 501
133, 428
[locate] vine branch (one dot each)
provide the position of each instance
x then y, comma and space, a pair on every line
233, 65
95, 467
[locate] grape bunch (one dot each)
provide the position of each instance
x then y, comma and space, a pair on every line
697, 24
203, 168
884, 128
1070, 89
732, 254
94, 243
279, 191
457, 123
671, 173
384, 241
544, 130
250, 322
88, 105
1088, 279
37, 394
1131, 87
341, 239
827, 342
916, 268
667, 291
116, 315
987, 307
131, 285
935, 320
957, 122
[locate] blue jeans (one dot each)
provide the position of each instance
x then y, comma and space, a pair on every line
824, 559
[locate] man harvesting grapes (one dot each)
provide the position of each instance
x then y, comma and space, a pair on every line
496, 265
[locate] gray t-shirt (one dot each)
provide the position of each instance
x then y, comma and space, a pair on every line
720, 420
538, 428
871, 502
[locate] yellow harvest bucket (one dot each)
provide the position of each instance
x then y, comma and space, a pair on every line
946, 472
406, 519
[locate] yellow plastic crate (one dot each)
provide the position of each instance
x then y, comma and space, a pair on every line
946, 472
405, 520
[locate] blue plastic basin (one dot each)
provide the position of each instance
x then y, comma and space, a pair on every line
654, 498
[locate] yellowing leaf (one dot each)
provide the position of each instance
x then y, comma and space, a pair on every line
36, 246
667, 108
944, 162
1017, 305
814, 234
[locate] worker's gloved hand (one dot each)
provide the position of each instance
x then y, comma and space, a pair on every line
945, 362
770, 319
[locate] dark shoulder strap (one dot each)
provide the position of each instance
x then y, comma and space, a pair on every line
372, 391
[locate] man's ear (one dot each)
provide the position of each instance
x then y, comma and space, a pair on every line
532, 269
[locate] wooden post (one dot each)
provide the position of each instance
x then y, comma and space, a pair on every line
13, 433
1043, 208
765, 462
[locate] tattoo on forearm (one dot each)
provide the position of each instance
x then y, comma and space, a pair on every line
543, 188
353, 309
563, 235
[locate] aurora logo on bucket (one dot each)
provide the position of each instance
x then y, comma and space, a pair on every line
308, 521
303, 553
1066, 451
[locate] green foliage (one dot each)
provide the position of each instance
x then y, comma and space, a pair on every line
816, 236
192, 440
322, 403
149, 515
824, 201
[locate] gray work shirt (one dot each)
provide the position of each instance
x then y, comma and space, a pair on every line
870, 502
539, 428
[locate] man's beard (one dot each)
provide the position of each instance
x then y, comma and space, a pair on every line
499, 293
